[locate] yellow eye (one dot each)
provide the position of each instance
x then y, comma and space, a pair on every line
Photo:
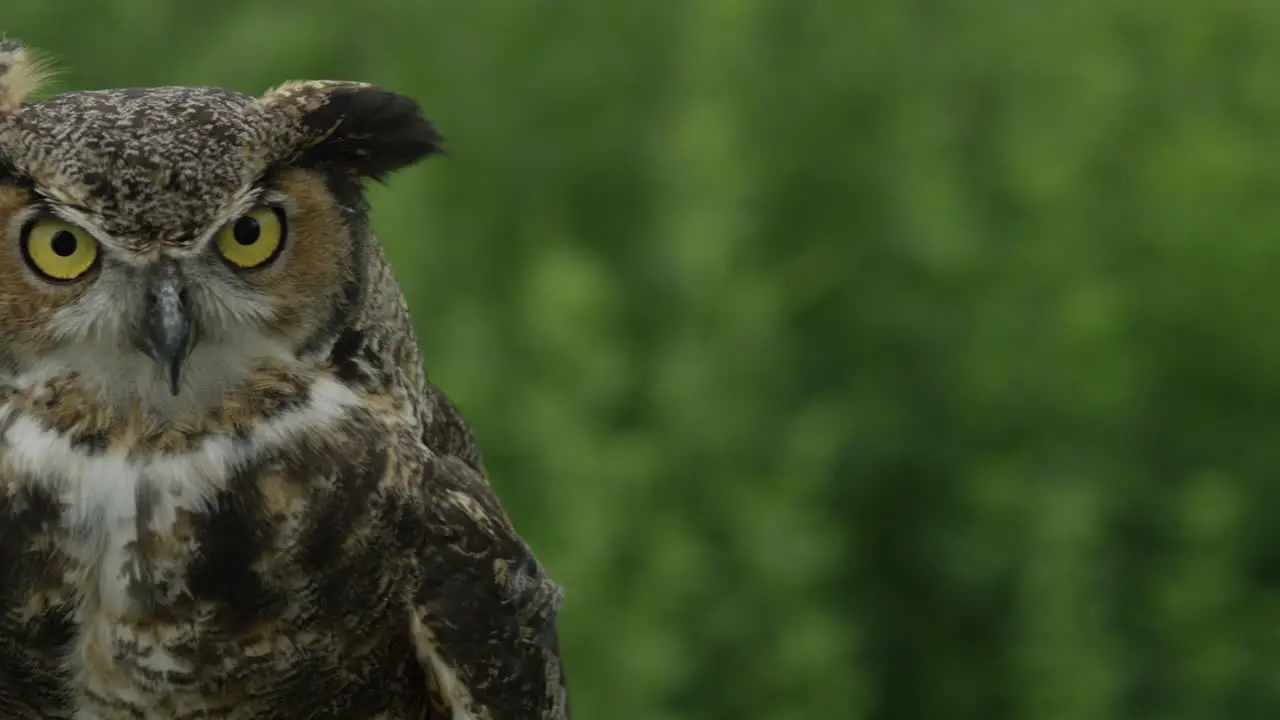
59, 250
254, 239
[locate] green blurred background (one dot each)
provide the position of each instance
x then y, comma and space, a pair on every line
880, 360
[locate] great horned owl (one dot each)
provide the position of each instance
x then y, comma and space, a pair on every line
227, 488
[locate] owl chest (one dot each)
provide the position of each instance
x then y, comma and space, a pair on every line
160, 575
159, 584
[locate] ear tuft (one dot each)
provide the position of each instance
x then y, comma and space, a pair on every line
366, 129
21, 74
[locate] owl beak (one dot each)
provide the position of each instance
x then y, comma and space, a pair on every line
167, 338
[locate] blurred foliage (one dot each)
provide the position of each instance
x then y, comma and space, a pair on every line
869, 360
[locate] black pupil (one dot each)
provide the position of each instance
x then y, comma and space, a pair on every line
247, 230
63, 243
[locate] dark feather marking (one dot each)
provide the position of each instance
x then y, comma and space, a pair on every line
31, 648
91, 441
234, 536
344, 353
369, 131
489, 604
335, 515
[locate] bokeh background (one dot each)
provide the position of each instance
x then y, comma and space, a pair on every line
880, 360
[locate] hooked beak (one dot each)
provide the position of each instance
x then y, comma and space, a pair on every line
166, 337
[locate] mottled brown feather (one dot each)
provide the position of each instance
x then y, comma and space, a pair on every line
307, 530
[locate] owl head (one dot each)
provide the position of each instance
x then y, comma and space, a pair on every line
157, 242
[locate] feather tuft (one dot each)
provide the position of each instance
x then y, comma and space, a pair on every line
22, 73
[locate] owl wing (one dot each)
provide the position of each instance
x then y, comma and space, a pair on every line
484, 612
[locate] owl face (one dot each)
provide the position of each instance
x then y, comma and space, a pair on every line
160, 243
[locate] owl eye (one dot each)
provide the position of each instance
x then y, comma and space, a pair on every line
253, 239
57, 250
